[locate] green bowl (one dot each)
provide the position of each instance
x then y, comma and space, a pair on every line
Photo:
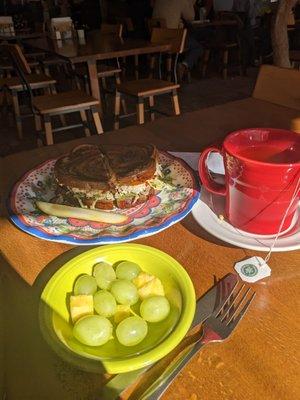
113, 357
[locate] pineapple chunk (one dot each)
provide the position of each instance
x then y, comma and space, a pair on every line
122, 312
151, 288
142, 278
81, 305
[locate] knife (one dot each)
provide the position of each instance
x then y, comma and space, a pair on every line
204, 307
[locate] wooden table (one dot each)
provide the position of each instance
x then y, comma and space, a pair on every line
19, 36
259, 361
96, 47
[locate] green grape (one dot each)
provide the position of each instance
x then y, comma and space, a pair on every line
105, 303
104, 274
155, 308
93, 330
131, 331
85, 284
124, 292
127, 270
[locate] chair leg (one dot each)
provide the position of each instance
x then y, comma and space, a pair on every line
38, 128
136, 66
47, 70
85, 122
152, 64
17, 113
151, 105
85, 84
117, 110
38, 122
61, 116
123, 102
175, 102
97, 120
205, 62
48, 130
140, 111
123, 66
240, 62
169, 67
225, 63
104, 84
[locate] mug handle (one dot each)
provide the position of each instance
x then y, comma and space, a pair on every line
205, 176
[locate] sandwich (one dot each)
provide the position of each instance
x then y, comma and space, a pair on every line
107, 176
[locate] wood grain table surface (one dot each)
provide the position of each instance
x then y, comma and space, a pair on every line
259, 361
20, 35
96, 46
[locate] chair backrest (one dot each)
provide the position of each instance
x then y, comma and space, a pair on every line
21, 67
6, 26
278, 86
175, 37
62, 25
112, 29
17, 56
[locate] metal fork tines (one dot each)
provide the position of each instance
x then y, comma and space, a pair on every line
230, 307
223, 320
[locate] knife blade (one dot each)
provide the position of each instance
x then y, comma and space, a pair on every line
204, 307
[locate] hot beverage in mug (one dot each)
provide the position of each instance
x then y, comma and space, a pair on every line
262, 178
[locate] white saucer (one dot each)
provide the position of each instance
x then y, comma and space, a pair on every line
209, 220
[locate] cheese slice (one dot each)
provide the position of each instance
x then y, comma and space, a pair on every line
81, 305
151, 288
142, 278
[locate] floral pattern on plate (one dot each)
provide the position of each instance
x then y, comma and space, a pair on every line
172, 203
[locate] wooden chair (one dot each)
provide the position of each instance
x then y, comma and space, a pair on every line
176, 37
103, 70
51, 104
62, 28
225, 40
142, 89
295, 58
106, 71
13, 85
279, 86
7, 69
127, 31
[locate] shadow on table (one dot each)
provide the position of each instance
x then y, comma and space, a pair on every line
192, 226
32, 369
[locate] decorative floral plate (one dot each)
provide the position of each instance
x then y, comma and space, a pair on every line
178, 194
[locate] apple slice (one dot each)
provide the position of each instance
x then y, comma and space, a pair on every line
59, 210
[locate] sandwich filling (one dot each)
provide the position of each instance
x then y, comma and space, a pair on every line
107, 176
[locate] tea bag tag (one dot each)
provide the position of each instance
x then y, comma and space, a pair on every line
252, 269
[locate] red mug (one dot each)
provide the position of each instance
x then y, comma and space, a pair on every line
262, 178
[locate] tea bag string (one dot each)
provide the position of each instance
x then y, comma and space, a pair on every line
295, 194
268, 256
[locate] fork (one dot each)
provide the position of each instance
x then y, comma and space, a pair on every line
118, 386
216, 328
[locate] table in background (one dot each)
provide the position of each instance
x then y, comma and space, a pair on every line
259, 361
20, 36
96, 46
